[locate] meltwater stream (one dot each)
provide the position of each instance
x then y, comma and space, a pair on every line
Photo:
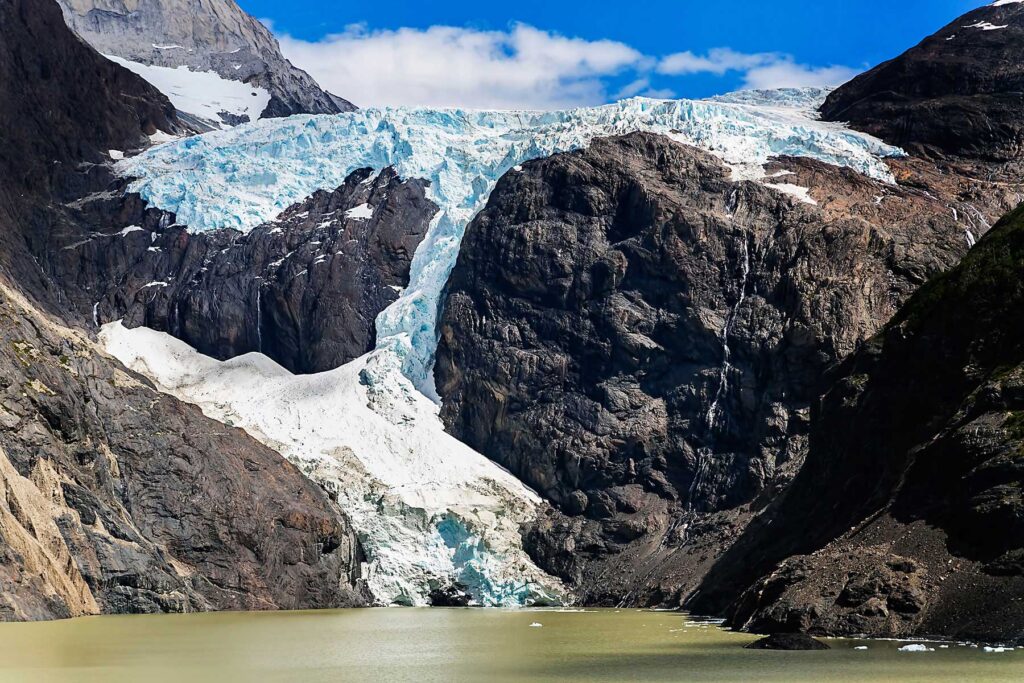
429, 510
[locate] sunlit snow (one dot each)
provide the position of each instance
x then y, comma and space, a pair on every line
428, 509
201, 93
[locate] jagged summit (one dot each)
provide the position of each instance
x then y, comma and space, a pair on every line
169, 41
960, 91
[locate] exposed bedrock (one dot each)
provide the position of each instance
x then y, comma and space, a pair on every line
907, 518
640, 339
959, 92
114, 497
304, 289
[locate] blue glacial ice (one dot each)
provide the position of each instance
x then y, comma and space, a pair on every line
241, 177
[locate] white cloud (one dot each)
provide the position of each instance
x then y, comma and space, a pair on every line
718, 61
759, 69
521, 68
788, 74
448, 66
642, 87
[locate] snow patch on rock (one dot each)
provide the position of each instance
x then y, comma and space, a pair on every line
360, 212
201, 93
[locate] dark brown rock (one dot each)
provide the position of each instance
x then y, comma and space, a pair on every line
918, 446
959, 92
118, 498
304, 289
787, 641
640, 339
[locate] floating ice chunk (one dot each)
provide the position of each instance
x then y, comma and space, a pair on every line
916, 647
998, 648
861, 647
130, 229
536, 624
115, 154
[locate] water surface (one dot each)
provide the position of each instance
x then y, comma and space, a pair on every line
454, 645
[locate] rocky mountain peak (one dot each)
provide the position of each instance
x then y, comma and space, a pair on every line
205, 36
959, 92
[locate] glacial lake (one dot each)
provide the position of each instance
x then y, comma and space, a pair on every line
420, 645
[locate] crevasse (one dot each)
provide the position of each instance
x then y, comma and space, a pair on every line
427, 508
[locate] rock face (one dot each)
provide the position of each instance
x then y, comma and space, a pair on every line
207, 35
120, 499
304, 289
918, 447
959, 92
61, 108
640, 339
116, 498
788, 641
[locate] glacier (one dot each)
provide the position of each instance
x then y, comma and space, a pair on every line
244, 176
427, 507
429, 511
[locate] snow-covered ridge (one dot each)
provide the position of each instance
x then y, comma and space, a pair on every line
429, 510
244, 176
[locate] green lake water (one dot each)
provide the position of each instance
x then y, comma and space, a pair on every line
454, 645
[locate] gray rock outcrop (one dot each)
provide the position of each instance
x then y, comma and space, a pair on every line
212, 35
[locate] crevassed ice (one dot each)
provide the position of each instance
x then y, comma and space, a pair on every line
241, 177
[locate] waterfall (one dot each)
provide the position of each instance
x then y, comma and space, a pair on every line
711, 418
259, 318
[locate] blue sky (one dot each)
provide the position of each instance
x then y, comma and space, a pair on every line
546, 54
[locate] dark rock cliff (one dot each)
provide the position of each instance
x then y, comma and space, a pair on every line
114, 497
304, 289
640, 339
911, 494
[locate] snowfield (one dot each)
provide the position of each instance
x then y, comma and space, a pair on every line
201, 93
428, 510
425, 505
